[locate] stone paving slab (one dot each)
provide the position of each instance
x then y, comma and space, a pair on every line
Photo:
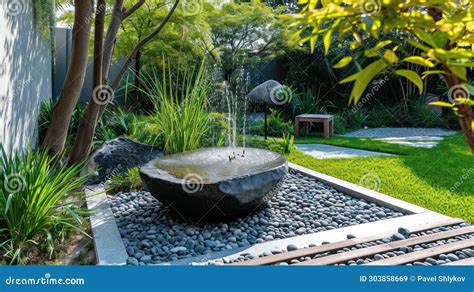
322, 151
399, 133
413, 137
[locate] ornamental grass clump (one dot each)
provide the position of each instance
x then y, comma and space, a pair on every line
180, 102
39, 204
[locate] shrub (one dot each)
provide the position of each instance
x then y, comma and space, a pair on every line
38, 202
126, 182
277, 126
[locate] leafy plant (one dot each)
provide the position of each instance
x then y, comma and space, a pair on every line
288, 143
309, 101
126, 182
181, 108
440, 33
277, 126
38, 202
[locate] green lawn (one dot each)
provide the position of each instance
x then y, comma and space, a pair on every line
440, 179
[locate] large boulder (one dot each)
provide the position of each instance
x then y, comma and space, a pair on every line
215, 183
264, 93
116, 156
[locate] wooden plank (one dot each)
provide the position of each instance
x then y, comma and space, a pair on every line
464, 262
382, 248
423, 254
331, 247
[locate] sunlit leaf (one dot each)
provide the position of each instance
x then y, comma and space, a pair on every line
413, 77
419, 61
343, 62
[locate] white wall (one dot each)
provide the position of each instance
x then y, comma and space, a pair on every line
25, 74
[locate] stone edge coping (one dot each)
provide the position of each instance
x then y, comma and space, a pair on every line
110, 249
108, 244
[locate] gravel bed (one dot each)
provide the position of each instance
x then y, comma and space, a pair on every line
153, 235
399, 132
402, 233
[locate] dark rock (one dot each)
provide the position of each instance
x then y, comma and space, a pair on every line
117, 155
291, 247
132, 261
264, 92
398, 236
233, 183
350, 236
403, 231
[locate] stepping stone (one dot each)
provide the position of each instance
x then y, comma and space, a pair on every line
321, 151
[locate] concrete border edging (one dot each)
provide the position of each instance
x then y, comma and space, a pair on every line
108, 244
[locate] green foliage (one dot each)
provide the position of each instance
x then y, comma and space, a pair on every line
44, 15
125, 182
181, 108
242, 35
219, 129
288, 143
282, 146
38, 202
45, 115
145, 129
179, 40
310, 101
441, 31
277, 126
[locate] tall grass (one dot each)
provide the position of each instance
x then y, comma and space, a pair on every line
38, 204
180, 101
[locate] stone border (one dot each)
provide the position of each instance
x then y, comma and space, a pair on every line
108, 244
110, 249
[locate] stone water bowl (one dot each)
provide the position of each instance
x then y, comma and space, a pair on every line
220, 183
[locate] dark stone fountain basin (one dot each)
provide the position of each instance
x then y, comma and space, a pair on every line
215, 182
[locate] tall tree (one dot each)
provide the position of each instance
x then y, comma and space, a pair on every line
103, 93
56, 134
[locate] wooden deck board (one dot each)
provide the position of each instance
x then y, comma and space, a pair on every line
386, 247
423, 254
332, 246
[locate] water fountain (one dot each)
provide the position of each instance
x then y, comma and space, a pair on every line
215, 182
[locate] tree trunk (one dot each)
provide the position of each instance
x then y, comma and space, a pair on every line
94, 110
88, 123
56, 134
137, 80
465, 114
